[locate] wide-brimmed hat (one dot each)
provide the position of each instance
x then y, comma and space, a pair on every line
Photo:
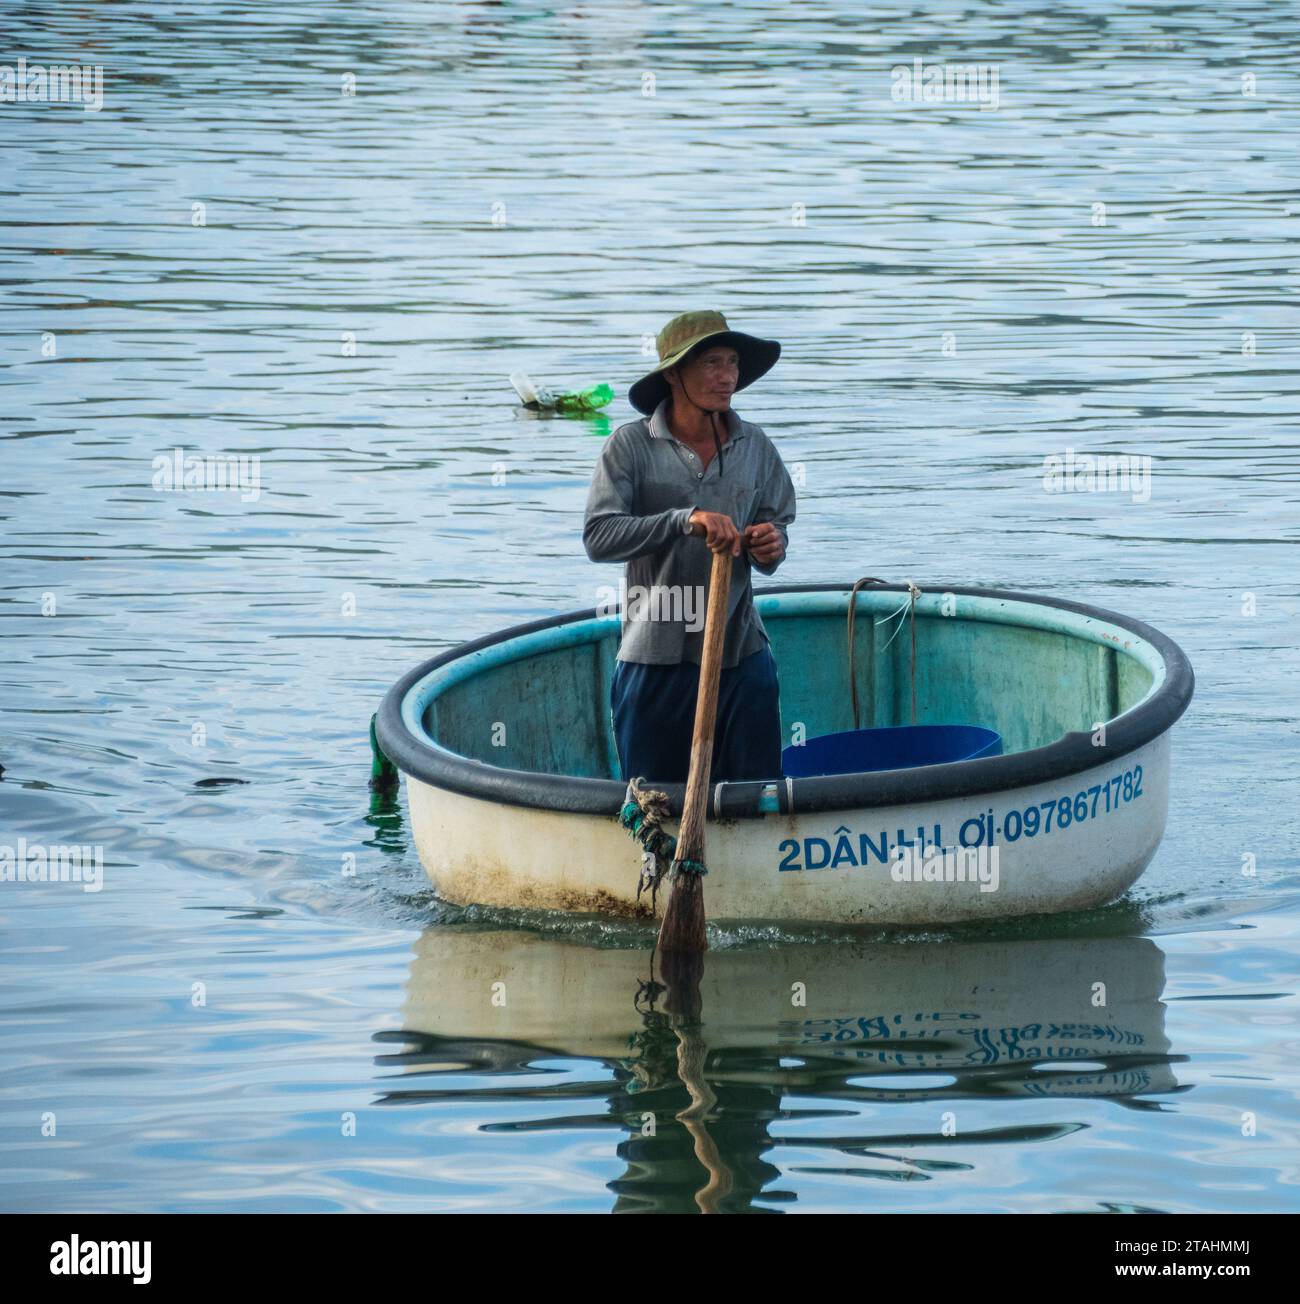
688, 331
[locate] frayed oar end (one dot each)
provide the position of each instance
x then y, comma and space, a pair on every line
683, 927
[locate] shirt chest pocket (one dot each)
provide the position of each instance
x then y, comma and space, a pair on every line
739, 500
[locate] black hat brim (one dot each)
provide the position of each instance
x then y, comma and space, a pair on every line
757, 358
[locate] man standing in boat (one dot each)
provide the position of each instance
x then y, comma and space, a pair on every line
690, 479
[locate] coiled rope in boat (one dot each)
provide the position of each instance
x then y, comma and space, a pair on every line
909, 605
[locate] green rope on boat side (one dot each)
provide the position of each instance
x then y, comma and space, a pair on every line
688, 867
384, 776
644, 829
643, 811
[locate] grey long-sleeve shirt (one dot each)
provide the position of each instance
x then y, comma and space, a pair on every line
645, 487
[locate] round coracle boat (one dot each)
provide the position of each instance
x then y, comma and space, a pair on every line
515, 797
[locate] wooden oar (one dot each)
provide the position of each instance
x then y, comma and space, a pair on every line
683, 925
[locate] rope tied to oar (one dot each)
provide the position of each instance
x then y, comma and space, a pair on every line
643, 814
908, 605
687, 866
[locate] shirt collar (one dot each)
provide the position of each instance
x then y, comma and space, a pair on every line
659, 423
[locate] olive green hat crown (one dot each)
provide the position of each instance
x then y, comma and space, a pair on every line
687, 332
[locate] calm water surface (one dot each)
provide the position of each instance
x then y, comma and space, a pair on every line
235, 1022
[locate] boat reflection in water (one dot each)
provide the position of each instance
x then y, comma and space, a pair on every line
703, 1064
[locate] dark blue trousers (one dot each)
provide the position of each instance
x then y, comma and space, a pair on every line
654, 719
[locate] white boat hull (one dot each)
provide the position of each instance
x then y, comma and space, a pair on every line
495, 854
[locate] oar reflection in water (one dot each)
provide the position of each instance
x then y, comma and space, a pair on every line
683, 1006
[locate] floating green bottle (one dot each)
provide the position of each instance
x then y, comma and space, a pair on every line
591, 399
539, 398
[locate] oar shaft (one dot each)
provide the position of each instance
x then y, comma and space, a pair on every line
683, 928
690, 840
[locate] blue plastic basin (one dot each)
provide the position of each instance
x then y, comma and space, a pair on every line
899, 748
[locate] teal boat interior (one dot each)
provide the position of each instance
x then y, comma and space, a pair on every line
1034, 670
